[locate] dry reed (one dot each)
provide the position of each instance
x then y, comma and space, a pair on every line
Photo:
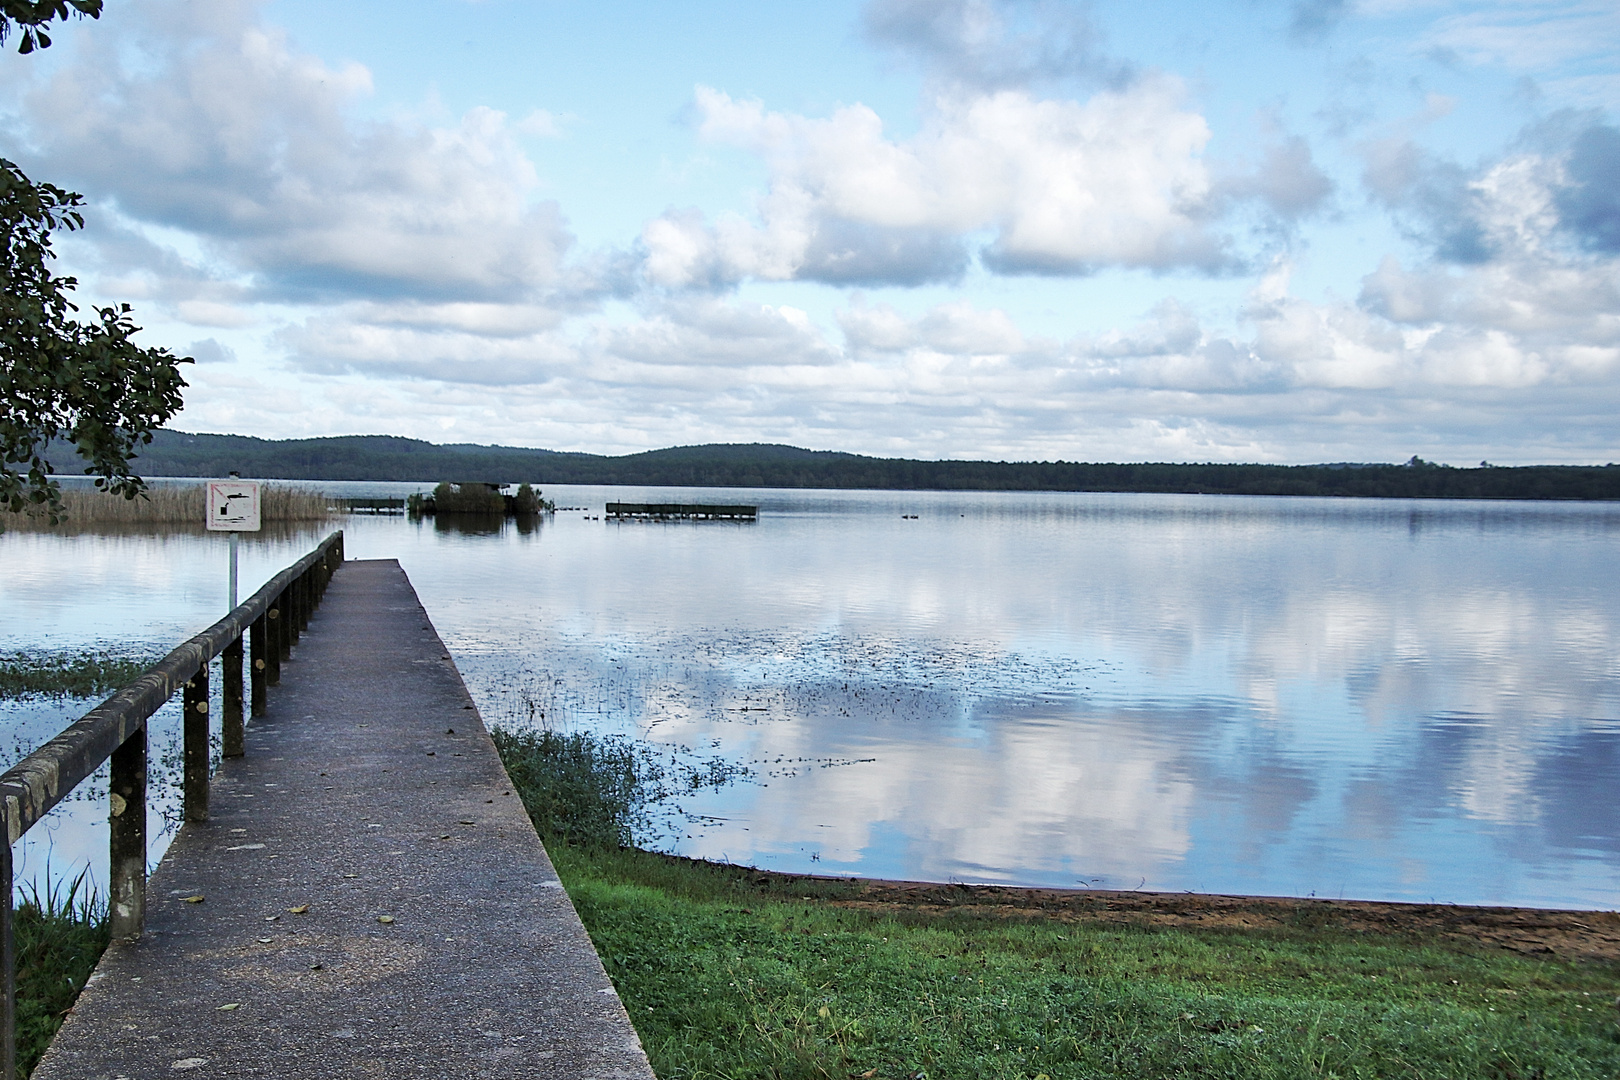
172, 504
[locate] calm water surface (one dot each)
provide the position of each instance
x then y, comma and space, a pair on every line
1387, 700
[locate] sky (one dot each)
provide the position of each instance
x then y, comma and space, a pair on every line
1239, 230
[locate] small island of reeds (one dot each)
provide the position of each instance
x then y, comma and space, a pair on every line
478, 498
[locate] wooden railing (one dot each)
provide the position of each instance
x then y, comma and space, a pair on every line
272, 619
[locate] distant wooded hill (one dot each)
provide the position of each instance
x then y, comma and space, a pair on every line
382, 457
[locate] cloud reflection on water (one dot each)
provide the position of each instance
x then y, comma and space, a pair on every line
1358, 698
1240, 695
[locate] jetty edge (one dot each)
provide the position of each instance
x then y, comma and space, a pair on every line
367, 896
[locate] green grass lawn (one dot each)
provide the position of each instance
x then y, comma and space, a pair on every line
727, 974
725, 977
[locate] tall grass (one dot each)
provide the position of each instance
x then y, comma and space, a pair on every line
604, 791
174, 504
60, 935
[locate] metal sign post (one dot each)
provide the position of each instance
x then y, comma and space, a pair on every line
233, 507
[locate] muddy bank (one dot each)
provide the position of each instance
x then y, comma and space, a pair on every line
1574, 935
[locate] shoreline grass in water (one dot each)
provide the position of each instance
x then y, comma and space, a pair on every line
594, 791
169, 504
84, 673
729, 973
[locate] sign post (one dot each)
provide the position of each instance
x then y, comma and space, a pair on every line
233, 507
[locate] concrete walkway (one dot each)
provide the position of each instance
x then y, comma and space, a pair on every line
375, 901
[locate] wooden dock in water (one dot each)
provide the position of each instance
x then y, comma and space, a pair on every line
679, 511
366, 897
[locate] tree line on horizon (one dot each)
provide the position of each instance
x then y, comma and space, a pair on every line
381, 457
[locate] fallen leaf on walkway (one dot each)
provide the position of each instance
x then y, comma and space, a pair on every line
230, 1007
385, 918
193, 899
272, 918
299, 910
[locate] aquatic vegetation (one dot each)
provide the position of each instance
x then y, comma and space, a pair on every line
80, 673
484, 499
590, 791
172, 504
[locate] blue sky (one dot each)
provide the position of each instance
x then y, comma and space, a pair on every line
1025, 229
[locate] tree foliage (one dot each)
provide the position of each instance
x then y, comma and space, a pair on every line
33, 16
390, 457
60, 378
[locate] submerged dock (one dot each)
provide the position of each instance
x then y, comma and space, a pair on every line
678, 511
367, 897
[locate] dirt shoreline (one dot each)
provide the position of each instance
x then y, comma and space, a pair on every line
1571, 935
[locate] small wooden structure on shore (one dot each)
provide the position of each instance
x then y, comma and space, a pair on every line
674, 511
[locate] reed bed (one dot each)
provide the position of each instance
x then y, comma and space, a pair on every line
171, 504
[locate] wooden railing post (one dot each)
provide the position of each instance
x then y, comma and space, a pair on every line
272, 640
294, 611
195, 750
126, 907
284, 620
230, 670
257, 675
8, 970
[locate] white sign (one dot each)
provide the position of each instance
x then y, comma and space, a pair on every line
233, 505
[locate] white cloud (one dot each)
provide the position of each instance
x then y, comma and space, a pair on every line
208, 122
700, 334
1532, 36
409, 273
1057, 186
994, 44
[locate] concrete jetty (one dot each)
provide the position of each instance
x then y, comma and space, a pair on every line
367, 898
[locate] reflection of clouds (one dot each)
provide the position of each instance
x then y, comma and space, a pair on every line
1216, 693
1256, 695
1042, 795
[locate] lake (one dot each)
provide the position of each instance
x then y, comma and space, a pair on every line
1369, 699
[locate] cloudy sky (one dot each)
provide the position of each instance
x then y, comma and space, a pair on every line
1263, 230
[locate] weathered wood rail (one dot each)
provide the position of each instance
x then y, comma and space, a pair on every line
668, 511
271, 620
